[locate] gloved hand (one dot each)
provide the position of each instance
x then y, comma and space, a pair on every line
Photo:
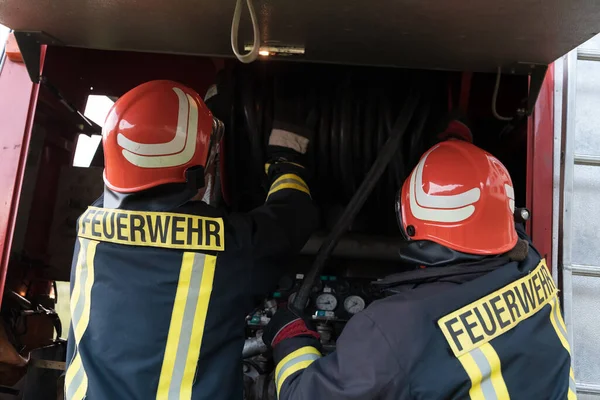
295, 115
286, 324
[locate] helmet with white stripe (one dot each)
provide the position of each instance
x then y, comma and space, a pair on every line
153, 134
461, 197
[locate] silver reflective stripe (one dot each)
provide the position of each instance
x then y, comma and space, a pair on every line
572, 384
76, 382
73, 384
78, 308
187, 325
294, 361
486, 371
557, 317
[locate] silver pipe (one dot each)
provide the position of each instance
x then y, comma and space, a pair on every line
581, 159
588, 54
586, 388
567, 172
584, 270
253, 347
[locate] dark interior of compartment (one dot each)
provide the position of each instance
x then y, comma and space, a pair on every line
357, 108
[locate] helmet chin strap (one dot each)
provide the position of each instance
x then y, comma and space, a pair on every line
207, 191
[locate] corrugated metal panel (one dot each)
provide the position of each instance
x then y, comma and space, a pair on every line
580, 261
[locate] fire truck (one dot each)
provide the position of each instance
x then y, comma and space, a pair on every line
524, 74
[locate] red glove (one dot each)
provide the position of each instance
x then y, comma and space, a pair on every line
285, 324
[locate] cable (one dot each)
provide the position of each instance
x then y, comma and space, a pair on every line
370, 180
495, 97
235, 25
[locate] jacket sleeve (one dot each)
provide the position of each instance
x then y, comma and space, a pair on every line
283, 224
363, 367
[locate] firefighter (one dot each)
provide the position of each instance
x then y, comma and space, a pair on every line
478, 317
161, 282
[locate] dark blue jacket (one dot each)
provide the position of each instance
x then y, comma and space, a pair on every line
496, 334
159, 298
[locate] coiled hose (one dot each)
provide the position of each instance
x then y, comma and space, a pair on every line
358, 108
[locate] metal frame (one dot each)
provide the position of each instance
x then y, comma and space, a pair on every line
31, 44
540, 157
564, 230
536, 82
566, 188
556, 176
585, 388
18, 98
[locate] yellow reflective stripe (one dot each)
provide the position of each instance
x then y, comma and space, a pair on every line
496, 371
83, 323
300, 352
561, 321
295, 368
75, 364
193, 355
74, 370
76, 287
470, 366
183, 286
290, 176
294, 362
554, 312
484, 369
76, 382
82, 389
294, 186
560, 328
186, 328
289, 181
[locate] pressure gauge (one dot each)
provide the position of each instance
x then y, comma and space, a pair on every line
326, 302
354, 304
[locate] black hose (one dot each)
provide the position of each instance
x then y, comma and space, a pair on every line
361, 195
357, 108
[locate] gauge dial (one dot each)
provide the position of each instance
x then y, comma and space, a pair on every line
354, 304
326, 302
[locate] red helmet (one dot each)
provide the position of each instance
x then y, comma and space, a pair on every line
153, 134
461, 197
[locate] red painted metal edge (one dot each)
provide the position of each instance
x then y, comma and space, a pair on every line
18, 98
540, 157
